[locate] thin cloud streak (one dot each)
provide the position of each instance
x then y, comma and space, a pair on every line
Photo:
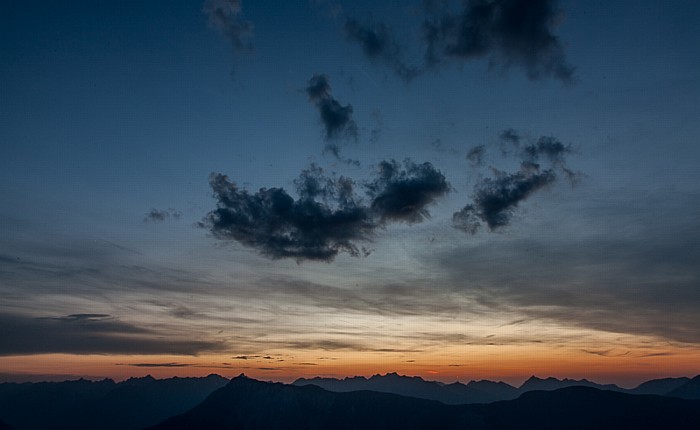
90, 334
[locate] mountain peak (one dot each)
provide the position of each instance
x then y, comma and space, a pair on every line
241, 377
139, 380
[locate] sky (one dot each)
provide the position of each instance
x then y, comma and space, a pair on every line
477, 189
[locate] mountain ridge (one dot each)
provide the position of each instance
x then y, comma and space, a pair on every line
245, 403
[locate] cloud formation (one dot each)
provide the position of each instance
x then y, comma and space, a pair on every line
402, 193
336, 118
495, 199
325, 220
476, 155
378, 44
328, 217
159, 215
225, 16
507, 32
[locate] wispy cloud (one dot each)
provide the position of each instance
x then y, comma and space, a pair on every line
378, 44
159, 215
159, 365
613, 281
226, 17
90, 334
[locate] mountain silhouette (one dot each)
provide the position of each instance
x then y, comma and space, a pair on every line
689, 390
412, 386
451, 394
105, 405
245, 403
659, 386
549, 384
5, 426
499, 390
250, 404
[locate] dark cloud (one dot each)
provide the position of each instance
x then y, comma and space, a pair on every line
81, 317
550, 148
378, 44
510, 135
225, 16
326, 219
158, 215
318, 88
506, 32
89, 334
496, 198
476, 155
336, 118
509, 32
403, 193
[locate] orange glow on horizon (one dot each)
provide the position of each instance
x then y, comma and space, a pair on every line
509, 364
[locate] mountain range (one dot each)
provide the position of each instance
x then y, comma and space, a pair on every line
488, 391
385, 400
249, 404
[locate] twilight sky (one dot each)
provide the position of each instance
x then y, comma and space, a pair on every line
453, 189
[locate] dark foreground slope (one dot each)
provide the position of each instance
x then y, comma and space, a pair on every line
249, 404
104, 405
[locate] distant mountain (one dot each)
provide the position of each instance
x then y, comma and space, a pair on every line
249, 404
499, 390
411, 386
549, 384
659, 386
689, 390
5, 426
451, 394
414, 386
77, 405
